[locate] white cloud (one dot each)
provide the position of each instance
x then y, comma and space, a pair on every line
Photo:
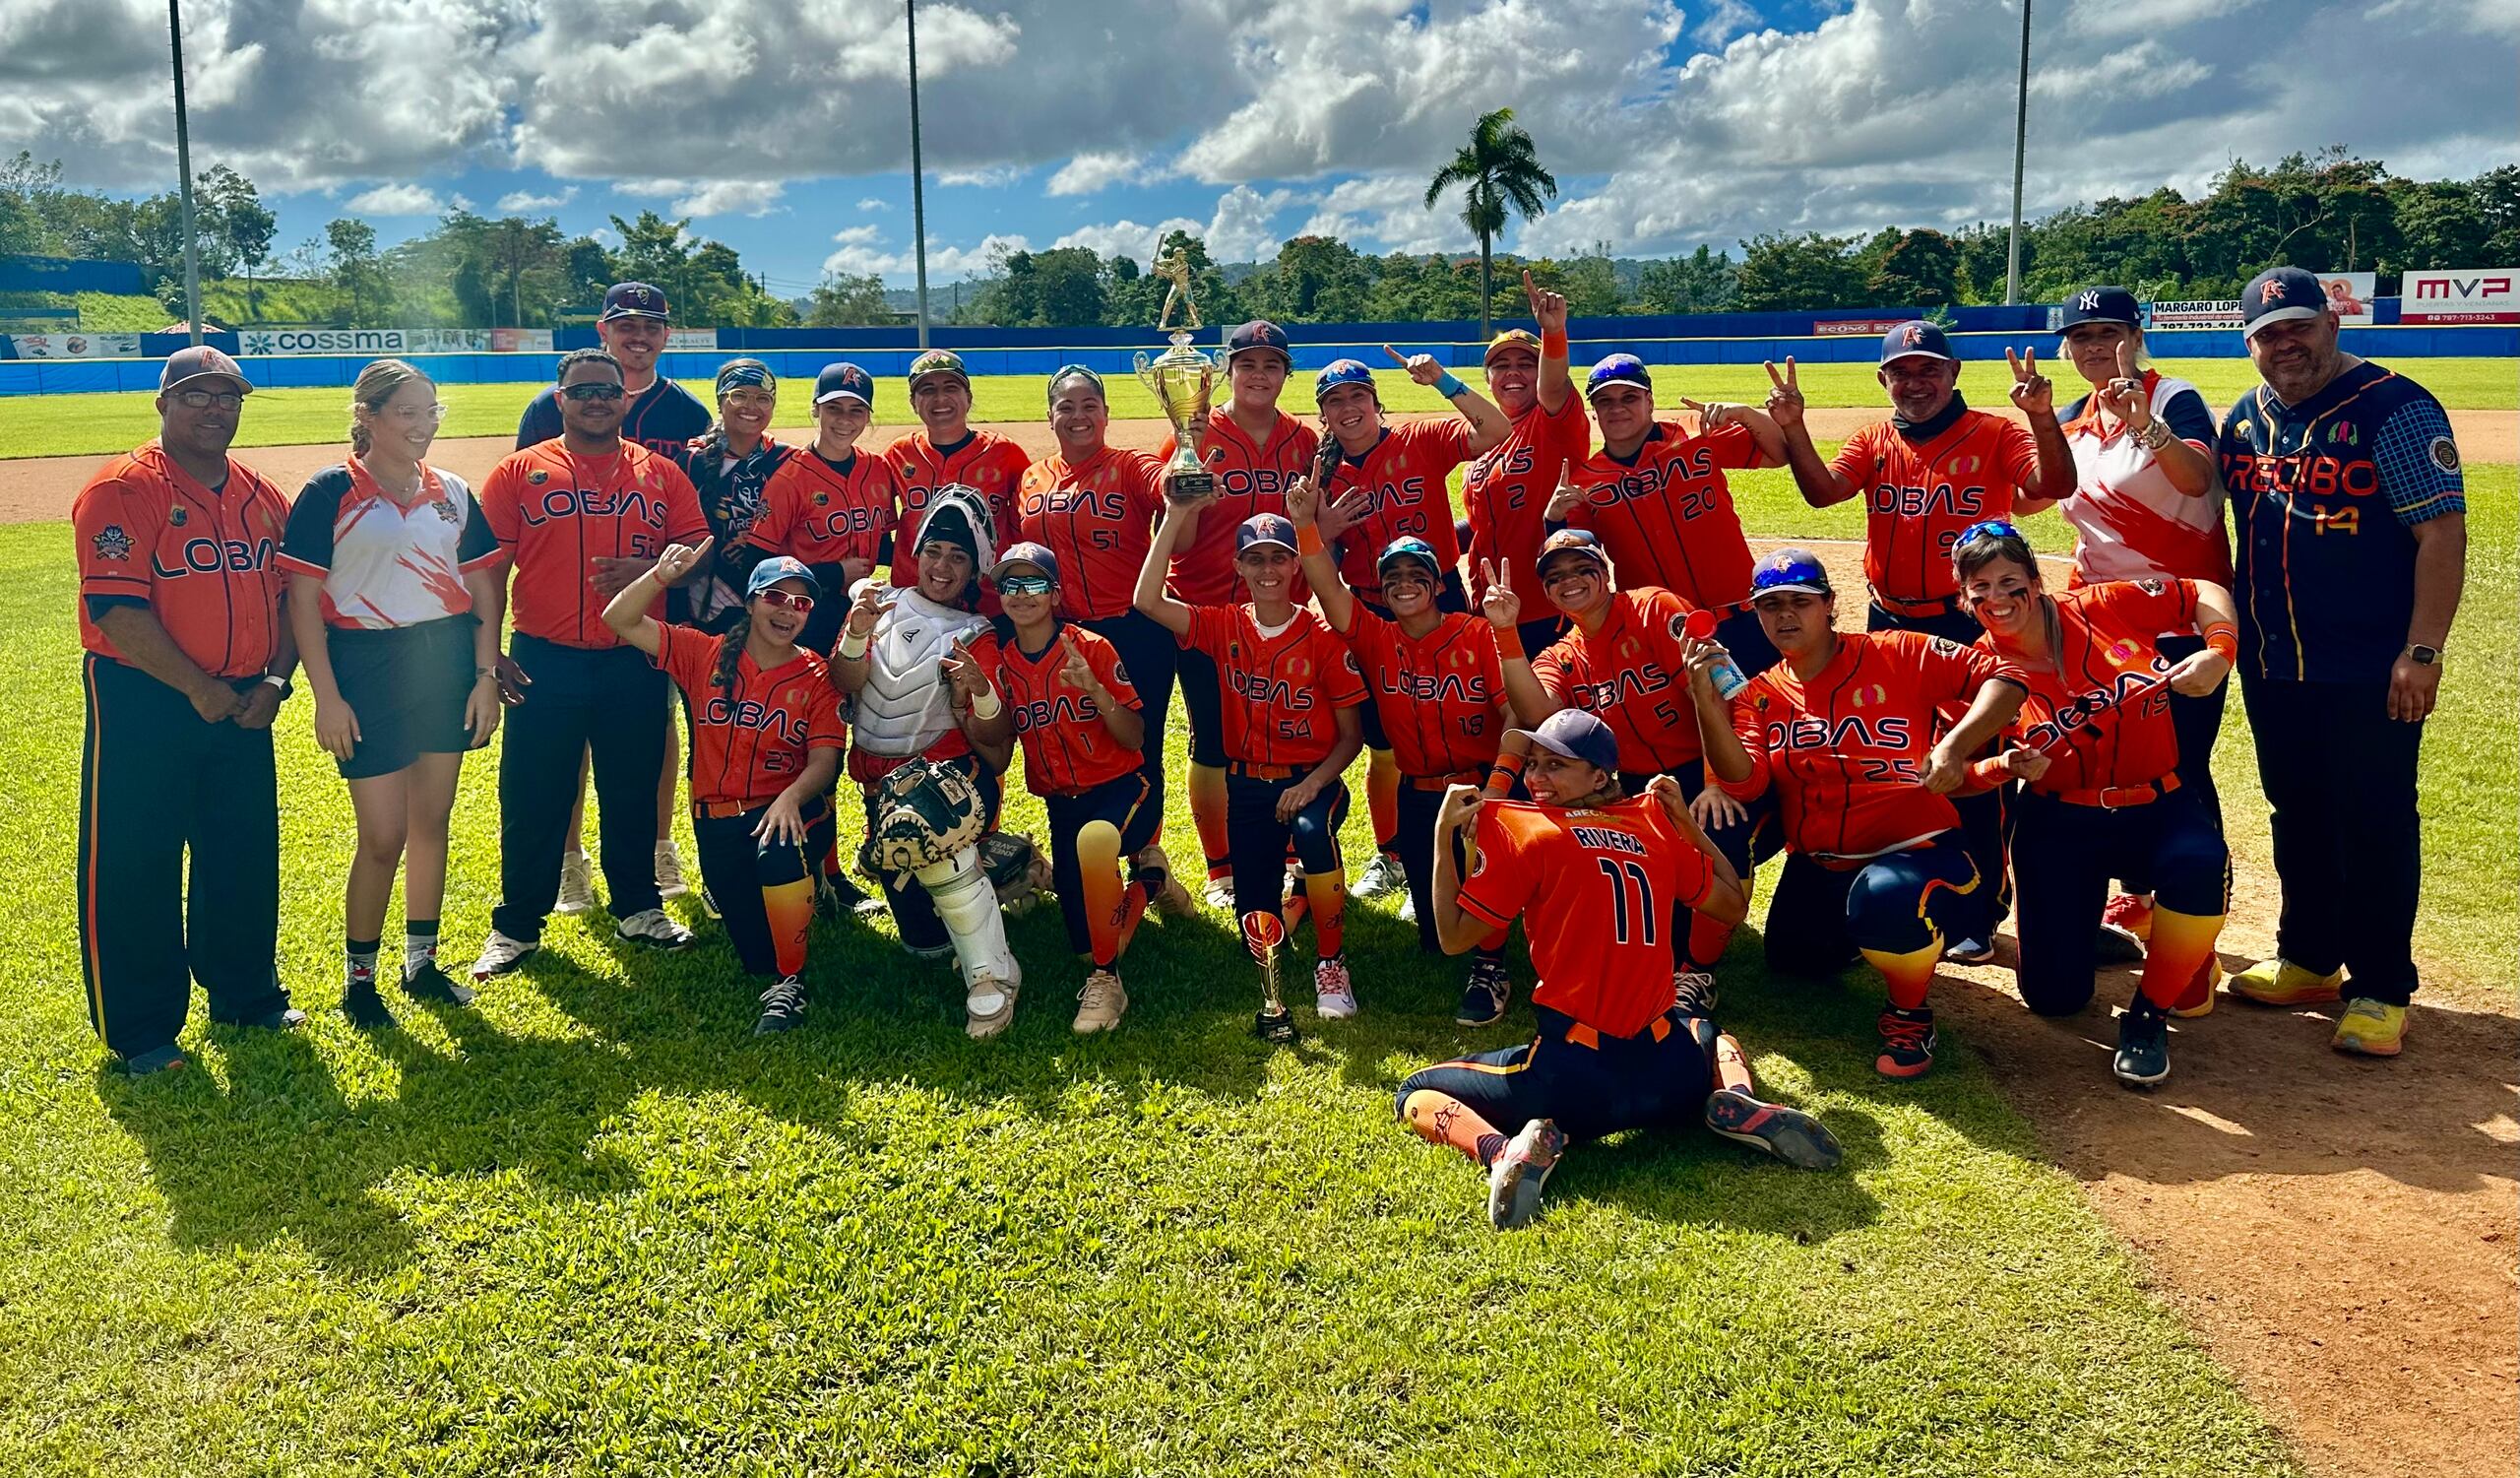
526, 202
1390, 211
870, 203
703, 198
993, 177
860, 235
943, 262
1725, 20
1244, 228
1127, 238
1092, 173
398, 200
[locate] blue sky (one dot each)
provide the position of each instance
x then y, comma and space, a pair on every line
780, 127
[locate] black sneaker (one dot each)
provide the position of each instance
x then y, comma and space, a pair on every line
1790, 1134
285, 1019
1907, 1043
838, 897
365, 1008
782, 1008
1693, 993
2143, 1046
430, 982
1485, 993
1974, 950
158, 1059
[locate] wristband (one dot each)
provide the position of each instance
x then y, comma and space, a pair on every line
2154, 436
1553, 344
1510, 764
2223, 641
987, 706
1308, 541
1448, 387
854, 646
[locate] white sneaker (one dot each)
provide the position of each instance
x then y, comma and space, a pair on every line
1383, 876
1164, 885
670, 883
1100, 1005
500, 955
577, 885
1221, 894
990, 1003
1337, 993
654, 927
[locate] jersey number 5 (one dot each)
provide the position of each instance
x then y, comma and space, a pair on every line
1631, 922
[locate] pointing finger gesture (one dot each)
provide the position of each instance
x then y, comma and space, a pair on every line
1548, 308
1421, 368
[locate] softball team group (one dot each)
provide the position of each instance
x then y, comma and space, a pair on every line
1597, 724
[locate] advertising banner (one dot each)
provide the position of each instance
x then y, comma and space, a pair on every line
2480, 294
255, 341
2198, 313
1854, 328
520, 340
702, 340
76, 346
2350, 294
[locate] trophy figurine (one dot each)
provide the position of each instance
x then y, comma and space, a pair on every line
1263, 930
1183, 380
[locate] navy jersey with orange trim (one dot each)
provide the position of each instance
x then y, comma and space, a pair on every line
1066, 746
207, 565
1918, 498
1281, 693
1405, 477
2102, 715
1099, 518
1251, 479
1438, 695
557, 512
1664, 516
825, 512
1594, 890
1505, 492
1630, 675
750, 739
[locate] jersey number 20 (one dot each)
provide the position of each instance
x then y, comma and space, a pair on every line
1631, 922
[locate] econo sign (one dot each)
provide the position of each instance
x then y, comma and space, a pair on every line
2481, 295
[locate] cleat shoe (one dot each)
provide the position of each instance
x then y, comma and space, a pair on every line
2143, 1045
2281, 983
1970, 951
577, 885
2371, 1028
670, 883
364, 1007
1907, 1043
1383, 876
2125, 928
655, 927
2199, 999
989, 1006
501, 955
166, 1058
1164, 890
708, 902
430, 982
1790, 1134
1100, 1005
1485, 993
1334, 993
1219, 895
1519, 1172
782, 1008
1409, 908
285, 1019
1693, 993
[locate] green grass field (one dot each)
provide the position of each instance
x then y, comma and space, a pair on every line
69, 424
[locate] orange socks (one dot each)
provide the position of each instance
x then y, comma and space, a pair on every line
1327, 893
1382, 797
2178, 949
790, 907
1441, 1118
1112, 907
1909, 975
1207, 812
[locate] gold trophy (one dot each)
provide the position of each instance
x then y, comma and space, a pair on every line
1264, 930
1183, 380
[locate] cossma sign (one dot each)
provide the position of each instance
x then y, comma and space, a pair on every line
2477, 295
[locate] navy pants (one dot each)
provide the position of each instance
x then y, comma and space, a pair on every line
1895, 904
611, 702
2062, 858
1203, 704
1416, 844
736, 866
1744, 844
1590, 1085
1148, 653
1124, 804
2198, 722
1260, 839
1982, 816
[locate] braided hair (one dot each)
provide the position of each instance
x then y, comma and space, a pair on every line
730, 651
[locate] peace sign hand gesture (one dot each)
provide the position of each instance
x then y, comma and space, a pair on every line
1421, 368
1503, 608
963, 671
2123, 397
2031, 391
1075, 672
1547, 308
1784, 396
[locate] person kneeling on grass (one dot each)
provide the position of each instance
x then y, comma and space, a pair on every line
766, 742
1592, 877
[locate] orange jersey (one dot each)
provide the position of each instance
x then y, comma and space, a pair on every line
1630, 673
2103, 717
555, 513
750, 739
1281, 693
1403, 477
1066, 747
1847, 751
1918, 498
986, 462
1251, 479
1664, 516
1507, 488
206, 563
1099, 519
1595, 891
1437, 694
824, 514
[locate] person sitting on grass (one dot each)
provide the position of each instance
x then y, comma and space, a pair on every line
766, 743
1592, 876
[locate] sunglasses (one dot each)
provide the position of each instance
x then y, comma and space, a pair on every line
1024, 585
1992, 528
600, 390
431, 414
203, 400
780, 599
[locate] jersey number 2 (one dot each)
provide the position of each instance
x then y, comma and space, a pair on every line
1630, 922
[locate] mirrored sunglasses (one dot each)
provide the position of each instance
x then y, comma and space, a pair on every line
782, 600
1024, 585
1991, 528
596, 390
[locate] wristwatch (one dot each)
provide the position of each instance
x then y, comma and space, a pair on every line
281, 682
2424, 656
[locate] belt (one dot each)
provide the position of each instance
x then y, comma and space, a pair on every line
1263, 772
719, 810
1586, 1037
2118, 796
1442, 782
1940, 605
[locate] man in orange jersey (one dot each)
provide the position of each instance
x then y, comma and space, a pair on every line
180, 594
1592, 876
1505, 491
948, 451
568, 511
1255, 450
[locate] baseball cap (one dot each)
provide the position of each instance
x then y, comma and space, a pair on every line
844, 381
1339, 372
1026, 552
2100, 305
202, 361
776, 568
2279, 294
1259, 333
1573, 733
1264, 528
1408, 546
1511, 339
1572, 541
940, 361
633, 300
1617, 369
1785, 571
1917, 336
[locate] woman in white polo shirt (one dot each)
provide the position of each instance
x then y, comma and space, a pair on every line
396, 599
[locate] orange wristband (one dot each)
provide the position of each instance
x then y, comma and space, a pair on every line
2223, 641
1308, 541
1552, 345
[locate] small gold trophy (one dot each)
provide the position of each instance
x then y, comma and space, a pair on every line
1183, 380
1264, 930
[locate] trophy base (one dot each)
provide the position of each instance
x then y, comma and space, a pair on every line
1274, 1024
1189, 486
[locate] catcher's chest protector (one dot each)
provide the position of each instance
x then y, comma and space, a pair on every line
907, 704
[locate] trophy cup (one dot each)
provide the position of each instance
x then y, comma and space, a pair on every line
1263, 930
1183, 380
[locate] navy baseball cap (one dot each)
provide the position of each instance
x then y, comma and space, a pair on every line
1573, 733
1408, 546
202, 361
1026, 552
776, 568
1917, 336
1617, 369
633, 300
2100, 305
2279, 294
1576, 542
1341, 372
844, 381
1787, 571
1264, 528
1259, 333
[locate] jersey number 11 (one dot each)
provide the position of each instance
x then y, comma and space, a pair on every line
1627, 917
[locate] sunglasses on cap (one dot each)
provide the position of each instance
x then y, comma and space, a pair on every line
592, 390
1991, 528
1024, 585
780, 599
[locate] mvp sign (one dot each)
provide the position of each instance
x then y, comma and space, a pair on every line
2483, 295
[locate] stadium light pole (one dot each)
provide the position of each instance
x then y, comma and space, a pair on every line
184, 162
2020, 136
917, 184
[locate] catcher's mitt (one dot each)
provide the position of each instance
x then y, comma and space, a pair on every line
924, 813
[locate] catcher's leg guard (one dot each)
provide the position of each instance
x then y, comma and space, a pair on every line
960, 888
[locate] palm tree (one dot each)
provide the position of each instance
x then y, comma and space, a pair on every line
1501, 168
